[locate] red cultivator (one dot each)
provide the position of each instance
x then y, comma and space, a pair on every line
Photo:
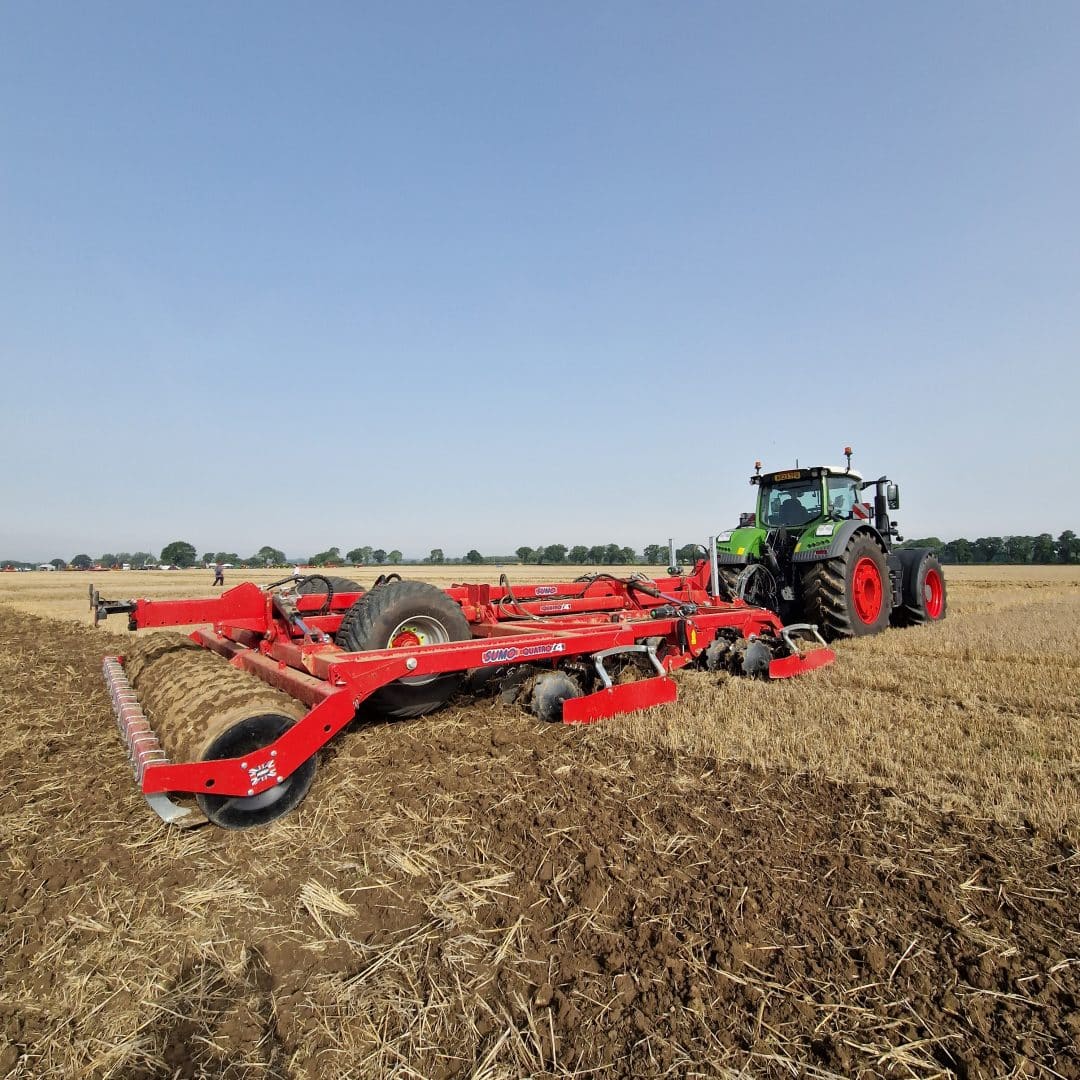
576, 651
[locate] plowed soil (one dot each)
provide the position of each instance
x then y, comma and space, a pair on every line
477, 894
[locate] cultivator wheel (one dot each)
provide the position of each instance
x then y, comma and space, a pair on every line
314, 583
201, 708
405, 614
849, 596
241, 812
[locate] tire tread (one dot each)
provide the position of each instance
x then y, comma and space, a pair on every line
359, 632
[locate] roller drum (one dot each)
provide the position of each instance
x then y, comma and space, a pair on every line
203, 709
192, 696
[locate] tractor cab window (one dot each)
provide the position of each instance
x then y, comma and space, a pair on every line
793, 503
843, 495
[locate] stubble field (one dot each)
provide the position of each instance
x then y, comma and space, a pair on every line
868, 871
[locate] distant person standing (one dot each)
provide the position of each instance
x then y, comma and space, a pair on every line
219, 573
296, 573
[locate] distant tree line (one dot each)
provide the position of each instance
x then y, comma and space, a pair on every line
184, 555
1042, 549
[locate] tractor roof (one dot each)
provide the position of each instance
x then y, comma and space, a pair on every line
839, 470
781, 475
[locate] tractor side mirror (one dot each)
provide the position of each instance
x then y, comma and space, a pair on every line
747, 520
892, 496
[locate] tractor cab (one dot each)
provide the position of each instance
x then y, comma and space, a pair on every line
796, 498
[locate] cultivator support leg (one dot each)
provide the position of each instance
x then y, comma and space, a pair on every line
143, 746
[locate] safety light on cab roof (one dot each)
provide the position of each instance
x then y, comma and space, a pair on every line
847, 454
757, 467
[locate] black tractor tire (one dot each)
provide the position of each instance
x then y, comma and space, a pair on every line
851, 595
412, 610
757, 587
327, 587
922, 590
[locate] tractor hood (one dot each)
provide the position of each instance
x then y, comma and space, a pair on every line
740, 545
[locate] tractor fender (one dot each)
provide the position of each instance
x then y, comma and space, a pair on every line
839, 542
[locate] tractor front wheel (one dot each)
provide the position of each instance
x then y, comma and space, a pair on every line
404, 614
849, 596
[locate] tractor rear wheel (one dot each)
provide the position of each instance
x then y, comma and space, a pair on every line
401, 614
923, 590
849, 596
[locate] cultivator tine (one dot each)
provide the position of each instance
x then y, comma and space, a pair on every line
143, 746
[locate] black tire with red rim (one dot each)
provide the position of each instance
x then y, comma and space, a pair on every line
923, 590
404, 614
850, 596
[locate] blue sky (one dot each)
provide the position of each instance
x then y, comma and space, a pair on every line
482, 275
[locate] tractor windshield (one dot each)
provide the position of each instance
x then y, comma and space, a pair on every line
843, 495
792, 503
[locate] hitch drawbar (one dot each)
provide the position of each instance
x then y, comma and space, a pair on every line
102, 608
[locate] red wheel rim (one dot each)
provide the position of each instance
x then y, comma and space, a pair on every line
405, 640
866, 590
933, 594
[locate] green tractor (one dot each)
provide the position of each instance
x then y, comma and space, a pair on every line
815, 552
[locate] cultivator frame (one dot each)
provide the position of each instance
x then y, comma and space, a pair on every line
287, 641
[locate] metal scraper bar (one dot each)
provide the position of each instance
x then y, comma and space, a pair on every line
143, 746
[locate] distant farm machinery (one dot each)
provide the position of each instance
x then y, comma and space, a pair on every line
197, 724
